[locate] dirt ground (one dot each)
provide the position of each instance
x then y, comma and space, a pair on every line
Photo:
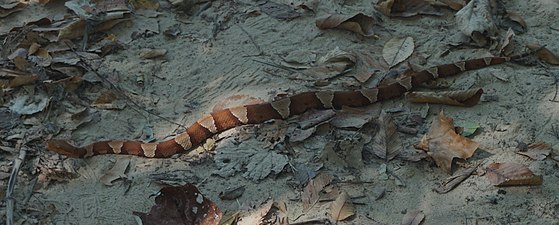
219, 53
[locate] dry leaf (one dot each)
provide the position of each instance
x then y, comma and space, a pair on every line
396, 50
232, 194
544, 54
341, 209
311, 192
256, 216
175, 205
298, 135
279, 11
468, 97
413, 217
313, 118
116, 172
386, 143
407, 8
475, 21
453, 4
349, 117
443, 144
507, 46
536, 151
152, 53
10, 6
12, 78
515, 21
511, 174
450, 183
358, 23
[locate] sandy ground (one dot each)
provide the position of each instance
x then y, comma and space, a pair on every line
215, 56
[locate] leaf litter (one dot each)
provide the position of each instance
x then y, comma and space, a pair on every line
68, 70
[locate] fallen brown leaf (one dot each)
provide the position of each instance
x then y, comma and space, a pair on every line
256, 216
511, 174
175, 205
443, 144
407, 8
544, 54
311, 192
451, 182
468, 97
358, 23
10, 6
536, 151
413, 217
12, 78
453, 4
396, 50
386, 143
341, 209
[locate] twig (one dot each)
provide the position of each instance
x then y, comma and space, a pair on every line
10, 201
555, 82
260, 52
138, 108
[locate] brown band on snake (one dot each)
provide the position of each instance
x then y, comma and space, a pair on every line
280, 109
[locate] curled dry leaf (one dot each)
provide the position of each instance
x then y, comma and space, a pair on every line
386, 143
544, 54
475, 21
183, 205
8, 7
407, 8
413, 217
358, 23
468, 97
341, 209
396, 50
507, 46
511, 174
536, 151
152, 53
443, 144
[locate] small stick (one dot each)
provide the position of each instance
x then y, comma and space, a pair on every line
260, 52
10, 201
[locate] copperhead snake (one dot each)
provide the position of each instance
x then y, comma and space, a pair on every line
281, 109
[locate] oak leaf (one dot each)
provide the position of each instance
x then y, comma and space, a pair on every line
443, 144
